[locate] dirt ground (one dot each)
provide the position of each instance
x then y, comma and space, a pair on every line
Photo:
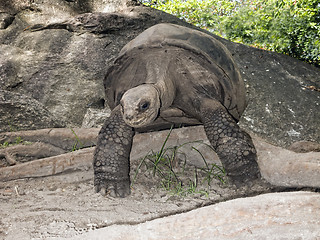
65, 205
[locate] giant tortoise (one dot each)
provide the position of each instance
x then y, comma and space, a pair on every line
173, 75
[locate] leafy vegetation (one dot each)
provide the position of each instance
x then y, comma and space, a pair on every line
291, 27
205, 14
178, 178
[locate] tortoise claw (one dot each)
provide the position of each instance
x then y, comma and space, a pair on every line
116, 189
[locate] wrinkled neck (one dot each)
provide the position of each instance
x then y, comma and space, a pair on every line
166, 90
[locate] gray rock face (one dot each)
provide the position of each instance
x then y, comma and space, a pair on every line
286, 216
58, 53
282, 107
56, 69
20, 111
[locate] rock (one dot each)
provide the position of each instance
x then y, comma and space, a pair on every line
285, 168
57, 10
94, 117
20, 112
65, 82
282, 107
286, 216
5, 20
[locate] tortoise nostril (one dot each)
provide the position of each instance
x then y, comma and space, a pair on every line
129, 117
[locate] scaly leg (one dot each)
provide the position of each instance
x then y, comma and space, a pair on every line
111, 157
233, 146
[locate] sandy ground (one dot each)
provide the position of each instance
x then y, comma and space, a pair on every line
65, 205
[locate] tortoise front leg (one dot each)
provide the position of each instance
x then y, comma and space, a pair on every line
233, 146
111, 157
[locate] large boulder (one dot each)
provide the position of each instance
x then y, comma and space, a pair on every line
58, 53
271, 216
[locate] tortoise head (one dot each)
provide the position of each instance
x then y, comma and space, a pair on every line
140, 105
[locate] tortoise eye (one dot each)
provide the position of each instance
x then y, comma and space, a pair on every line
144, 106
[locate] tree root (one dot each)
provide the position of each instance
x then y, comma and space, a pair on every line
72, 161
22, 153
64, 138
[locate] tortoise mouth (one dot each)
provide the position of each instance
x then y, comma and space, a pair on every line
141, 122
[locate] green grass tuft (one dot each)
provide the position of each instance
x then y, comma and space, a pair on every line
176, 177
77, 144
